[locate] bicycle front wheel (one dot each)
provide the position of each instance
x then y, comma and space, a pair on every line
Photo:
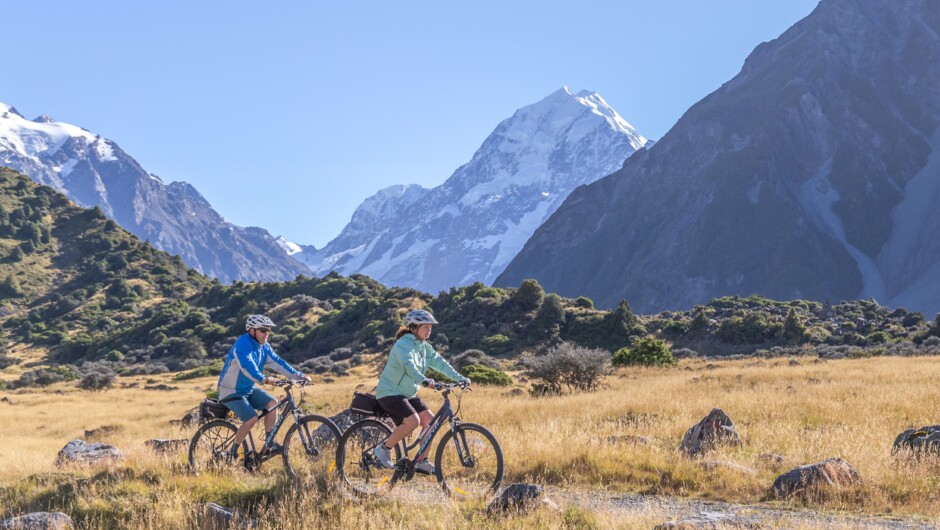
310, 449
209, 450
360, 469
469, 465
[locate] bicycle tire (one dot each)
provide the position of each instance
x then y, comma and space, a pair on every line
208, 447
484, 474
359, 472
310, 448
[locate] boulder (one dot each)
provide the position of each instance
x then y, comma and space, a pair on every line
215, 517
80, 452
918, 442
101, 431
161, 445
39, 521
519, 498
834, 472
713, 431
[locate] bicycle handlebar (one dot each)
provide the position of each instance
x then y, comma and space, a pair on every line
449, 386
291, 382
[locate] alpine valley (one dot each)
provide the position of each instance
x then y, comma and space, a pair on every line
813, 173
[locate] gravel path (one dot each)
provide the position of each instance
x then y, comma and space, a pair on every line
721, 514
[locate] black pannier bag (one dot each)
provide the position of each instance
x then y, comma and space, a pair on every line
211, 409
365, 404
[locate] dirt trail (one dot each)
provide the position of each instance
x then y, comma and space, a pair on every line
634, 509
721, 514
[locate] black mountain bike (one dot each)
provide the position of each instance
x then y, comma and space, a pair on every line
468, 461
309, 448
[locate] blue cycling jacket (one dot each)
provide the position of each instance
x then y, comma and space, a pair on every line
243, 365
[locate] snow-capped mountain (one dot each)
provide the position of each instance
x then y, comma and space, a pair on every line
813, 173
94, 171
471, 226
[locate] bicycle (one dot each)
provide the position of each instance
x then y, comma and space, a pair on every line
471, 470
309, 447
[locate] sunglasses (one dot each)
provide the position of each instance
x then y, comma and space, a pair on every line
263, 330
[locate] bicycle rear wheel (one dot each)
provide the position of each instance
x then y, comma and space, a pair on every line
310, 449
470, 465
359, 468
210, 446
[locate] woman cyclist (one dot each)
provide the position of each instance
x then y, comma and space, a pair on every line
410, 358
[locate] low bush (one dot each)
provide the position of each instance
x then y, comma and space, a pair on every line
484, 375
645, 352
567, 366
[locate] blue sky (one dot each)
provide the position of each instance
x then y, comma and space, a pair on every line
287, 115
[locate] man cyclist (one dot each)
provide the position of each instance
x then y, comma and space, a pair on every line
242, 371
397, 391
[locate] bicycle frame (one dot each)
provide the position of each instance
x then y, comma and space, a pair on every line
445, 413
290, 409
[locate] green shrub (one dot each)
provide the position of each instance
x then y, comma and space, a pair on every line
646, 351
584, 302
497, 344
484, 375
529, 295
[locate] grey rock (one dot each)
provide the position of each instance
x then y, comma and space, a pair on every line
520, 498
830, 473
39, 521
161, 445
77, 451
712, 431
918, 442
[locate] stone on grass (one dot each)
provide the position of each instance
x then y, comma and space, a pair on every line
715, 430
918, 442
520, 498
161, 445
832, 473
39, 521
215, 517
78, 451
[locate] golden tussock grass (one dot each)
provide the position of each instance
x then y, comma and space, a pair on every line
622, 438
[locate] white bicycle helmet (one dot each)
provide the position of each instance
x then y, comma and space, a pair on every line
419, 316
258, 321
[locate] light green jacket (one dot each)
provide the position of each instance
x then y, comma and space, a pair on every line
406, 365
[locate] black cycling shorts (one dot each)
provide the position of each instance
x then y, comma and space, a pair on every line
400, 407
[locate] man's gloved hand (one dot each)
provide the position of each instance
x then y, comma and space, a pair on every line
428, 382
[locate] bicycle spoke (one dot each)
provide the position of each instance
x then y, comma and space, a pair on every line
470, 465
310, 449
361, 471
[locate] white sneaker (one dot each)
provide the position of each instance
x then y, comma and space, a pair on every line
383, 455
425, 466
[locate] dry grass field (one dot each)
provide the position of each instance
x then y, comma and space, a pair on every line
804, 410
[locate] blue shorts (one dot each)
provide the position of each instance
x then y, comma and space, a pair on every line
244, 407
